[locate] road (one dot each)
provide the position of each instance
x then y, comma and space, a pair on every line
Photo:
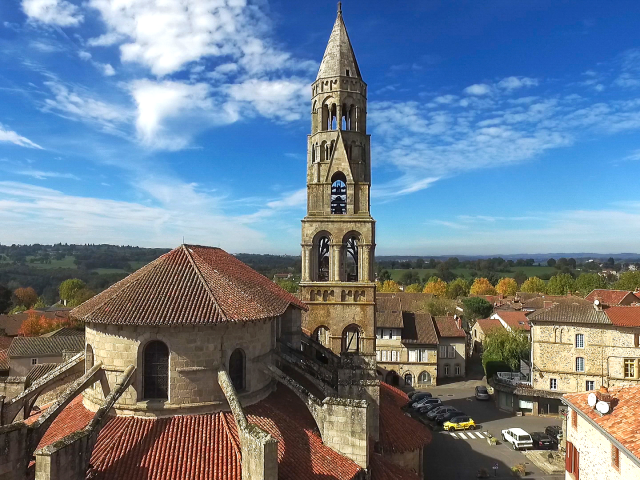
458, 456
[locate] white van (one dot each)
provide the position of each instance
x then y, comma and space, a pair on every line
518, 438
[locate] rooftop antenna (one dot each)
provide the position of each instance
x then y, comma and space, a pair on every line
183, 239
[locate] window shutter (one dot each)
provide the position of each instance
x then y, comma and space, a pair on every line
412, 355
568, 459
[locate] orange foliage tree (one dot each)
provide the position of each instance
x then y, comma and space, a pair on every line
388, 287
436, 287
37, 324
507, 286
482, 286
27, 297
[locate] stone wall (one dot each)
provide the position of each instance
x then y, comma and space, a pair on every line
11, 387
595, 454
196, 354
554, 355
13, 445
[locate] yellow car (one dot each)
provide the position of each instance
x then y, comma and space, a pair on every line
459, 423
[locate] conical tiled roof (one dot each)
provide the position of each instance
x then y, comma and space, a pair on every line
339, 56
190, 285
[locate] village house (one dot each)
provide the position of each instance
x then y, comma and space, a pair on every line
513, 321
612, 297
581, 346
452, 347
481, 329
601, 430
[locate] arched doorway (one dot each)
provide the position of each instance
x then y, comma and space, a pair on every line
408, 379
393, 378
351, 339
424, 379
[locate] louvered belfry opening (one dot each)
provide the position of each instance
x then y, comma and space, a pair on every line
236, 369
156, 371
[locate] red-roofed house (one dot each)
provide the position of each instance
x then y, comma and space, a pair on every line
452, 347
513, 320
480, 330
603, 445
613, 297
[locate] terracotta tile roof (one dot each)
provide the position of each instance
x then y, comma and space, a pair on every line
384, 469
190, 285
624, 316
515, 320
73, 418
43, 346
388, 312
539, 302
447, 327
418, 328
578, 312
488, 324
612, 297
398, 431
623, 423
409, 302
5, 343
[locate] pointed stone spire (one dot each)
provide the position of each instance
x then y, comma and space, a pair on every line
339, 59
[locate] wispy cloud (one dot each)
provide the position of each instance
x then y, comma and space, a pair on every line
12, 137
42, 175
53, 12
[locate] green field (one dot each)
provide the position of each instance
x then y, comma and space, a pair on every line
464, 272
68, 262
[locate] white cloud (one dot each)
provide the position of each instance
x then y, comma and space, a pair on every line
163, 110
478, 89
513, 83
107, 69
12, 137
106, 40
634, 156
166, 36
79, 106
42, 175
28, 212
52, 12
278, 99
291, 200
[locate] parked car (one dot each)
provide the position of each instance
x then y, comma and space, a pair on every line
430, 407
482, 393
555, 432
423, 401
428, 401
417, 394
542, 441
425, 408
459, 423
518, 438
432, 414
446, 416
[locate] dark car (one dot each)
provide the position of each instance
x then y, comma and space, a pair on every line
542, 441
555, 432
428, 408
482, 393
444, 417
424, 403
414, 395
432, 414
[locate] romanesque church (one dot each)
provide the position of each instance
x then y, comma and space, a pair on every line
198, 367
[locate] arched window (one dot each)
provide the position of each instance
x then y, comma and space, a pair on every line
321, 335
351, 339
236, 369
424, 378
333, 118
323, 259
155, 382
88, 358
338, 194
351, 264
408, 379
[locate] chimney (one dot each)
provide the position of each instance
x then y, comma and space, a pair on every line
458, 321
547, 304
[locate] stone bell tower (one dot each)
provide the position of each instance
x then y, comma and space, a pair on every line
338, 233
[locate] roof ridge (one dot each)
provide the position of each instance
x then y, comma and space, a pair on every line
206, 286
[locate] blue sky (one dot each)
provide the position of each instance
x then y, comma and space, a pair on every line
497, 127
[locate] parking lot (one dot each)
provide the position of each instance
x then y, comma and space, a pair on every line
459, 455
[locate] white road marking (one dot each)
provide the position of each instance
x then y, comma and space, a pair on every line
453, 434
479, 435
471, 437
462, 435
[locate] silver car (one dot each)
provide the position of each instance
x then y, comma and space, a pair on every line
482, 393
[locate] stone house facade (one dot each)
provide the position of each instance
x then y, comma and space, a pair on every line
576, 347
452, 347
603, 446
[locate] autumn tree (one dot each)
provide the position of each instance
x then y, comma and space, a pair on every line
25, 297
69, 288
458, 288
413, 288
438, 307
436, 287
507, 286
587, 282
482, 286
534, 285
561, 284
388, 287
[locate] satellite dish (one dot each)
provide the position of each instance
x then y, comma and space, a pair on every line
602, 407
596, 302
592, 400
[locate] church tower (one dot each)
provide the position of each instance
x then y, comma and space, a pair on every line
338, 232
